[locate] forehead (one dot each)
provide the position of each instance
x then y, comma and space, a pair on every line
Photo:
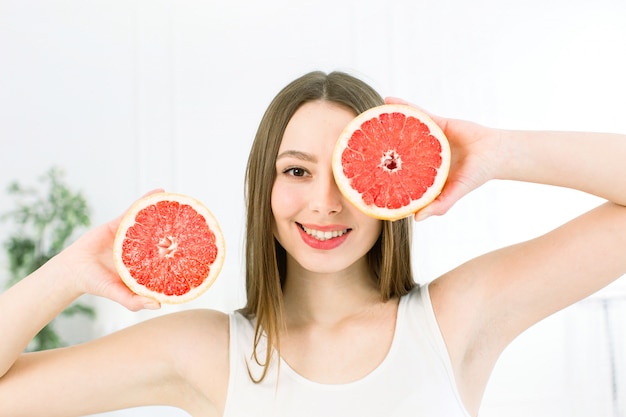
315, 123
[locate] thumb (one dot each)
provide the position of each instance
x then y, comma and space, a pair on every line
451, 193
134, 302
120, 293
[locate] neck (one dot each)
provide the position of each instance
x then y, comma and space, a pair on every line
328, 298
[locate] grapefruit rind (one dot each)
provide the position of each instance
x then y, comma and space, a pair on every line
356, 198
129, 219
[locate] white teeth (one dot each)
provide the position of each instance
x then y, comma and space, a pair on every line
319, 235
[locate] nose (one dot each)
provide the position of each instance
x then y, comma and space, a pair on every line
326, 198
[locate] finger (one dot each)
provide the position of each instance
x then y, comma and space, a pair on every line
154, 191
121, 294
137, 303
451, 193
113, 224
396, 100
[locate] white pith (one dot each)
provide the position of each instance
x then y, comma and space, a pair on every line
167, 246
320, 235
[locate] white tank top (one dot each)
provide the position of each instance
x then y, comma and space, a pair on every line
414, 379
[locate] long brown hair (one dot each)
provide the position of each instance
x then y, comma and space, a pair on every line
389, 258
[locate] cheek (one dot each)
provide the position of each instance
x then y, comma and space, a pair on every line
282, 201
284, 205
375, 227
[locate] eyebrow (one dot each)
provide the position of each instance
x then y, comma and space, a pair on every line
298, 155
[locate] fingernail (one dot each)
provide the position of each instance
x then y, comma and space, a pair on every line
152, 305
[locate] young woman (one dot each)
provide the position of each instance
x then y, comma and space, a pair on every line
334, 324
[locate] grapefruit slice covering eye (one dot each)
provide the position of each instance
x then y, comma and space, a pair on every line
391, 161
169, 247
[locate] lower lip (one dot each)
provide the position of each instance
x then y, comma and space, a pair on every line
331, 243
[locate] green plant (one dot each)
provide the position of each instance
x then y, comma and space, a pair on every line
44, 223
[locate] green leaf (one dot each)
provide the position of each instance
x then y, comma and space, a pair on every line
44, 220
78, 308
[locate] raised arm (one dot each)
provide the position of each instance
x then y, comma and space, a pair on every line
590, 162
522, 284
482, 305
178, 359
85, 267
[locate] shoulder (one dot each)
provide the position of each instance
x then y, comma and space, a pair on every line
195, 334
198, 343
199, 319
201, 325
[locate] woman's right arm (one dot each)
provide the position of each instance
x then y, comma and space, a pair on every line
84, 267
165, 360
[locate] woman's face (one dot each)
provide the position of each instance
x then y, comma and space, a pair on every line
315, 224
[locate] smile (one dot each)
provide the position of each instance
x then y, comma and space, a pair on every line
322, 236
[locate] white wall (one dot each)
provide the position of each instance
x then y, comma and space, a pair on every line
127, 96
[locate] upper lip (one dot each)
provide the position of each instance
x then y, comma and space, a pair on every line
325, 228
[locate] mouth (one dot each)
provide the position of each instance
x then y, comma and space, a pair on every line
323, 235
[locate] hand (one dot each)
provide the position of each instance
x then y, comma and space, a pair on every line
474, 160
90, 262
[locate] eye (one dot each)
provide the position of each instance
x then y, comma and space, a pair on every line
296, 172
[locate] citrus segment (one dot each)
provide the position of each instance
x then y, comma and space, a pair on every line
169, 247
391, 160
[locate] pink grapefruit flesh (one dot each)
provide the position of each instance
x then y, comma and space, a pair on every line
169, 247
391, 161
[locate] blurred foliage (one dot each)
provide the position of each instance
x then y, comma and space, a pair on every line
44, 222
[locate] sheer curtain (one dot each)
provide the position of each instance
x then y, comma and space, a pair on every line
596, 332
570, 365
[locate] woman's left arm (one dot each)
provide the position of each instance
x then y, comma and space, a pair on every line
590, 162
482, 305
517, 286
526, 282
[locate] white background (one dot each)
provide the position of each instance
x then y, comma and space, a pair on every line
126, 96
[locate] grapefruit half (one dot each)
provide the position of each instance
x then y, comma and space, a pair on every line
391, 161
169, 247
